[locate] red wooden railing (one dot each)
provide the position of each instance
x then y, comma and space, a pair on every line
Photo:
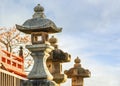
12, 63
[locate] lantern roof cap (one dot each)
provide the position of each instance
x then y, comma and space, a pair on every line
39, 23
38, 8
80, 72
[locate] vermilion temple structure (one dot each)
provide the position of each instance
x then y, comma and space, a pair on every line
11, 69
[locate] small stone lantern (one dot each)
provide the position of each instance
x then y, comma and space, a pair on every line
55, 61
77, 73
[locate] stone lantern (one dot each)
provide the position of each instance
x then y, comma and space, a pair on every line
54, 62
39, 27
77, 73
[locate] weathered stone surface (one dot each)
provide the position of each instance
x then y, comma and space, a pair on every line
39, 47
38, 83
38, 23
40, 54
59, 78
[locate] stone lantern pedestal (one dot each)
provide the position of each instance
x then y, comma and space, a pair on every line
39, 75
40, 52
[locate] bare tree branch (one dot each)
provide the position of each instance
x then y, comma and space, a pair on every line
12, 37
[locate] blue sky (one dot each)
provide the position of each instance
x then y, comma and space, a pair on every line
90, 30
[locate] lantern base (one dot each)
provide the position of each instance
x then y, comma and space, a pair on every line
39, 83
